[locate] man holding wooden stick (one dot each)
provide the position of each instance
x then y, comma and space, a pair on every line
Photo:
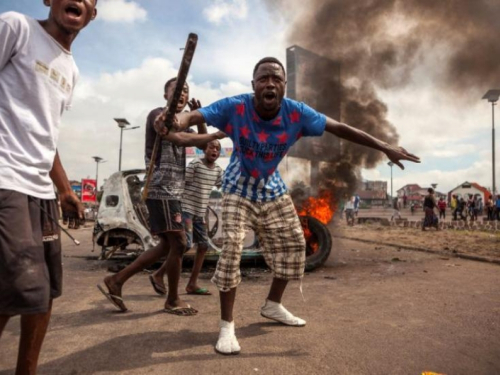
164, 204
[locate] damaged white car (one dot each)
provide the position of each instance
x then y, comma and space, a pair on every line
122, 226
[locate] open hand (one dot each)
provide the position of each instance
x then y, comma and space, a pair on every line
395, 154
194, 104
71, 204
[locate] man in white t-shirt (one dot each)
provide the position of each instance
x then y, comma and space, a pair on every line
37, 77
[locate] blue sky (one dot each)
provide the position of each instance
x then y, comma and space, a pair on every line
128, 52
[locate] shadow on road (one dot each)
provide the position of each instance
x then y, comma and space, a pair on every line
133, 352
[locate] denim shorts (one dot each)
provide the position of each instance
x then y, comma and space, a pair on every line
196, 230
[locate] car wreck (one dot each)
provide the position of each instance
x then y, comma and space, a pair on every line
122, 227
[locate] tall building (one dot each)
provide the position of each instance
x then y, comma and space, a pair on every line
314, 80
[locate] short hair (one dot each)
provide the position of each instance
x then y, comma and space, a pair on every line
430, 190
169, 82
272, 60
213, 140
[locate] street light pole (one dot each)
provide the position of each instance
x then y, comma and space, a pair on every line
98, 160
390, 164
122, 124
492, 97
120, 155
493, 104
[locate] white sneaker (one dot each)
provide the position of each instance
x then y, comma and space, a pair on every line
277, 312
227, 342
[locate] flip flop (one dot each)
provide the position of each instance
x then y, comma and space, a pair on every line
160, 289
117, 301
181, 311
201, 292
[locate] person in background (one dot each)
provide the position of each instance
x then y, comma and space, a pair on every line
395, 209
349, 211
497, 207
442, 208
357, 201
479, 207
490, 208
461, 206
453, 206
430, 219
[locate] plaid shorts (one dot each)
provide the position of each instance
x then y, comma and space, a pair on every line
278, 229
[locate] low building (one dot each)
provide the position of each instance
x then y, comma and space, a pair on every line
408, 194
415, 194
469, 188
373, 193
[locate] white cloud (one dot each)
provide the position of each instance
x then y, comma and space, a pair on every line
226, 10
120, 11
89, 129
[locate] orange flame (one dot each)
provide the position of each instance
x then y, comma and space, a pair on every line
311, 241
321, 208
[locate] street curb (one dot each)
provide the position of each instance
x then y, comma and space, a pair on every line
423, 250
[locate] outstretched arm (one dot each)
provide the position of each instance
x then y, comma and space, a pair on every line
192, 139
69, 200
394, 153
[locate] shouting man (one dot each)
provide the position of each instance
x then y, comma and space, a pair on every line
263, 126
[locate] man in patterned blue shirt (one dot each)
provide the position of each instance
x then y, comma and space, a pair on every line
263, 126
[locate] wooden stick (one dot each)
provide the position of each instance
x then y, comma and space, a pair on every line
187, 58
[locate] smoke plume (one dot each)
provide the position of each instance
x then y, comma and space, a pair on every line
380, 43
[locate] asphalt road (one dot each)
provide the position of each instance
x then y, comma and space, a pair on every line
370, 310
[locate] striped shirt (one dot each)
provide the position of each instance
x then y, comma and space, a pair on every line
260, 145
200, 180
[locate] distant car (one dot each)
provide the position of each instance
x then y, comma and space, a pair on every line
122, 225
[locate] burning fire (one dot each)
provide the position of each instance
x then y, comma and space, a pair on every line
321, 208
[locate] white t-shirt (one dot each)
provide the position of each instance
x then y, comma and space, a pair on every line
37, 76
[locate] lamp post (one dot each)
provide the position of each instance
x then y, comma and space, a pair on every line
98, 160
122, 124
492, 97
390, 164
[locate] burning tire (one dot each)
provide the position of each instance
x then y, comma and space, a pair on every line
318, 242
